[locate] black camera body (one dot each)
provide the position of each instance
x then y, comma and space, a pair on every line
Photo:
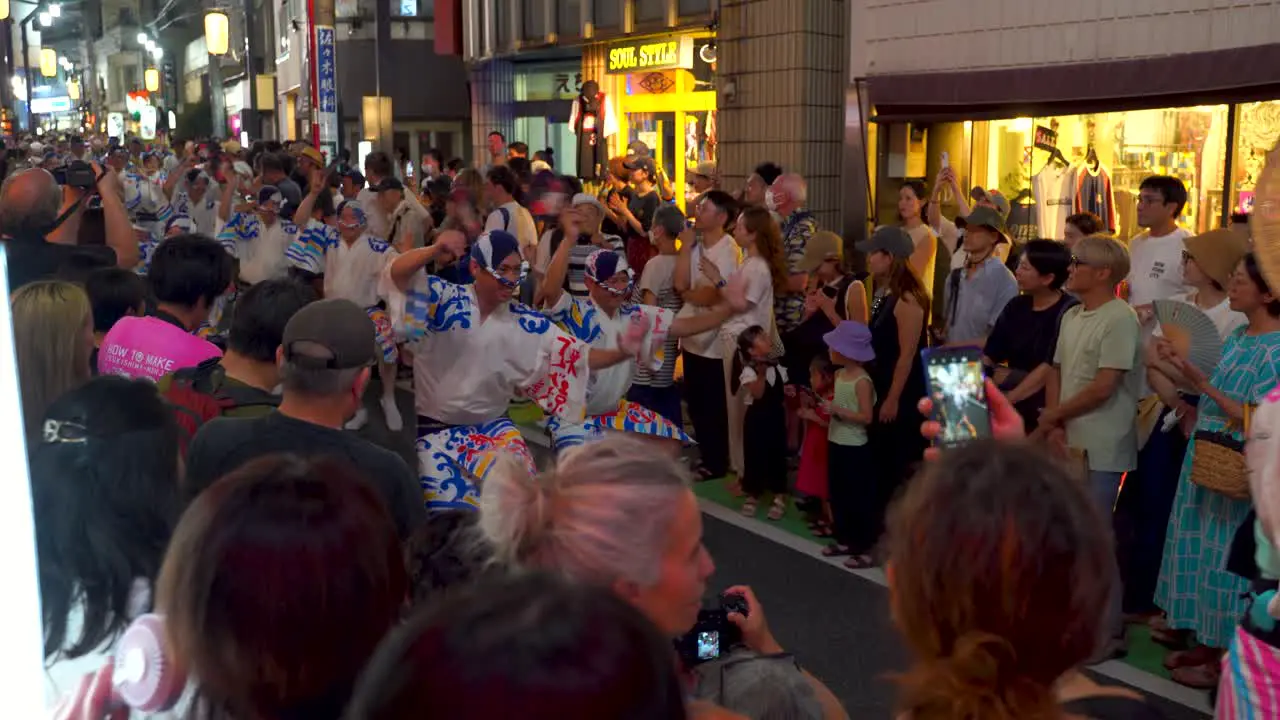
713, 636
76, 174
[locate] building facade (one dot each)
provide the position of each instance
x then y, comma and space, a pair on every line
1063, 107
386, 48
735, 83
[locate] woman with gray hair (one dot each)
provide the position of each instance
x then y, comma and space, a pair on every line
618, 515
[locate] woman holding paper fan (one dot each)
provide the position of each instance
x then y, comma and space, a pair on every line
1195, 589
1147, 498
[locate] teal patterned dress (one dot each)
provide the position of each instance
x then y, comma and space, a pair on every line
1195, 588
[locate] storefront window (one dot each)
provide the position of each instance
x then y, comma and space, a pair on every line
650, 10
663, 95
607, 14
1257, 129
1051, 167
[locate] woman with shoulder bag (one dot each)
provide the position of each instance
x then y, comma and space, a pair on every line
1195, 588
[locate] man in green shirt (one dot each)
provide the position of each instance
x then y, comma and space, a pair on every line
1092, 396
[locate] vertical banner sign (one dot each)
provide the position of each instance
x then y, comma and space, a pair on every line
327, 91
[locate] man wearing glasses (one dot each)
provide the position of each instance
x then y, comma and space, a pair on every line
1156, 254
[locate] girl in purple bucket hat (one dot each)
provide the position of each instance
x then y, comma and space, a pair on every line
851, 407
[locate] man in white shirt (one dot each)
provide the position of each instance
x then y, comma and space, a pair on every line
1156, 255
409, 222
377, 167
508, 215
703, 358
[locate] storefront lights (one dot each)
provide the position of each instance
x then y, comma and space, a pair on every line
157, 52
217, 32
48, 62
151, 78
142, 38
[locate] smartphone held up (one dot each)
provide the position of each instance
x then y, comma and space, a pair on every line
957, 388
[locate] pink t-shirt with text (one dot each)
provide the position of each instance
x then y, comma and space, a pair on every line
149, 348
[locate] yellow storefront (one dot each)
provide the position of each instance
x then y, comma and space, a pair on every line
663, 95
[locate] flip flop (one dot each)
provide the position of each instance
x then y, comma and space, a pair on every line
836, 550
749, 508
860, 562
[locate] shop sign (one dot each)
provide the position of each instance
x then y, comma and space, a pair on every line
44, 106
115, 124
649, 55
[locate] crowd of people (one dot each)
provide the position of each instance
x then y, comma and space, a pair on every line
197, 328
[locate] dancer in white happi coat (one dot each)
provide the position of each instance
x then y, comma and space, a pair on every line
600, 320
352, 262
258, 238
475, 348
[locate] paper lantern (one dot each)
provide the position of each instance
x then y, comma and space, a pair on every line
48, 62
73, 90
217, 32
151, 78
4, 9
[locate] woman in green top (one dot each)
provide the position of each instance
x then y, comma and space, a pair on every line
856, 532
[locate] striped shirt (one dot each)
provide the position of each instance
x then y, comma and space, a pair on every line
658, 277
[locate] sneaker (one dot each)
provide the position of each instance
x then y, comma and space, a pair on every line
392, 414
360, 420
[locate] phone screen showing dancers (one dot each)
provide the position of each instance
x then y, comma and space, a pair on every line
956, 387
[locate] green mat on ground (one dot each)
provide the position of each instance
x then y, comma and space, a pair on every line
1144, 654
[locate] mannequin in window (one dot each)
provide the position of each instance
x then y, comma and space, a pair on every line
592, 122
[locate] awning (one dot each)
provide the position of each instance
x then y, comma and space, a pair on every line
1205, 78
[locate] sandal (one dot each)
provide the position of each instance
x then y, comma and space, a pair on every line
860, 562
1200, 677
1172, 639
778, 510
836, 550
1199, 655
822, 531
749, 508
701, 473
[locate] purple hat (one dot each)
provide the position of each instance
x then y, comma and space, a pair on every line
851, 339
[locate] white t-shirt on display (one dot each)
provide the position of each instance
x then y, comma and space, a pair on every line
727, 256
1155, 267
1054, 190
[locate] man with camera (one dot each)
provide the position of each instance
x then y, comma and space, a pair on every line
40, 215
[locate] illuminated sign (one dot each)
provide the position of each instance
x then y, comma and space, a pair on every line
44, 106
650, 55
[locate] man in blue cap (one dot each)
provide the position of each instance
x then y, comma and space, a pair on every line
476, 348
605, 319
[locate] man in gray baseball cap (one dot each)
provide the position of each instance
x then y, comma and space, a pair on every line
325, 358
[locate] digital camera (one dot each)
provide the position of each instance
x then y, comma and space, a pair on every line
713, 635
76, 174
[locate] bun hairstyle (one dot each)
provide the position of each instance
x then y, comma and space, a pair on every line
603, 513
1002, 568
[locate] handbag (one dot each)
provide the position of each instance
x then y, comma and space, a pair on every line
1218, 463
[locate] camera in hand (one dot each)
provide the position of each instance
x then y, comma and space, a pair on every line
713, 636
76, 174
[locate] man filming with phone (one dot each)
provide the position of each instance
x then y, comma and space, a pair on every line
40, 222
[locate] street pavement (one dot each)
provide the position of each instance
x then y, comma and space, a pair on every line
835, 621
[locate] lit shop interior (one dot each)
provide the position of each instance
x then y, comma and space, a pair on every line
1051, 167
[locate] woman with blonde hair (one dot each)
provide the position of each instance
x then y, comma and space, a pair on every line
617, 515
53, 336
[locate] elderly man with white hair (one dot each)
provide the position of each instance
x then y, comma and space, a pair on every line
787, 197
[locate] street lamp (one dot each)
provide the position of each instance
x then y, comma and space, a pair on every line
151, 77
45, 19
157, 52
73, 90
48, 62
142, 38
55, 9
217, 32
